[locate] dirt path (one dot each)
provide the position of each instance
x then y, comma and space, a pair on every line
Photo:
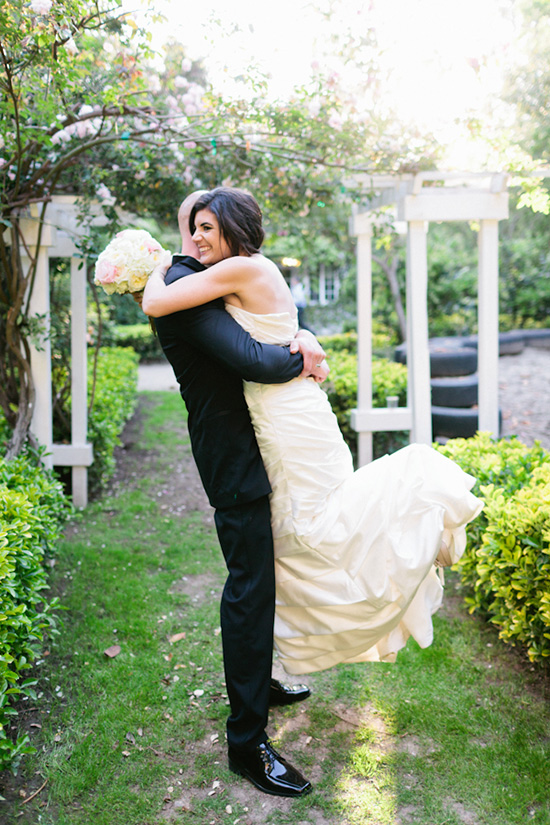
524, 394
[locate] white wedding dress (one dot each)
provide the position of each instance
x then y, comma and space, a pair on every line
354, 551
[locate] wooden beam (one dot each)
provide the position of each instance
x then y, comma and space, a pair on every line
381, 419
72, 455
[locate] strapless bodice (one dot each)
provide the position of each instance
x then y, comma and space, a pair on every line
274, 328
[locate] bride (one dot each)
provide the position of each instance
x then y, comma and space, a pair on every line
355, 552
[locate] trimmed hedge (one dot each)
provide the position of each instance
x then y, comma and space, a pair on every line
114, 403
506, 567
141, 338
32, 510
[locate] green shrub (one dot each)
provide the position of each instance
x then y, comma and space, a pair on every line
383, 340
388, 378
513, 564
141, 338
5, 433
32, 510
113, 404
341, 341
506, 567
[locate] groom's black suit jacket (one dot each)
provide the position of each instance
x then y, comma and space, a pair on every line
211, 354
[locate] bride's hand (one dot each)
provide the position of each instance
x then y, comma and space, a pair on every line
138, 297
320, 371
311, 350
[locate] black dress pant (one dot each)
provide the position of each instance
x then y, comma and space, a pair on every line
247, 613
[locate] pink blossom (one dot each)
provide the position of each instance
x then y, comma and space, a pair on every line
190, 144
103, 193
60, 137
85, 110
82, 128
186, 65
41, 6
106, 272
190, 109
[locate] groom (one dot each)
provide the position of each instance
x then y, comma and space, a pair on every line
211, 354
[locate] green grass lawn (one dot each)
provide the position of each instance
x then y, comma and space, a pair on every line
458, 734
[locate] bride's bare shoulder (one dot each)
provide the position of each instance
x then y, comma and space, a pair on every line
241, 262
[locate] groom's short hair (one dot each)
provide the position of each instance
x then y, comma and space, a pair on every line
239, 218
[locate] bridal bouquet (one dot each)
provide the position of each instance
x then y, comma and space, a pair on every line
127, 262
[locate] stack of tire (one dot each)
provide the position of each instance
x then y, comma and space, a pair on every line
454, 379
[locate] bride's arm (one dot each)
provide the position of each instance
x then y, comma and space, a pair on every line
224, 278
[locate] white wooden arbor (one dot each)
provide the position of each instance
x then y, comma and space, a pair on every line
59, 236
448, 197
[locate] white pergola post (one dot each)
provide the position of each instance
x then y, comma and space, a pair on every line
418, 355
363, 228
78, 454
488, 347
79, 377
39, 305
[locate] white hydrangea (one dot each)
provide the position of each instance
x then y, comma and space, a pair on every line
126, 263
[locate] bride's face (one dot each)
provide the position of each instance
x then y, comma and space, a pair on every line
211, 244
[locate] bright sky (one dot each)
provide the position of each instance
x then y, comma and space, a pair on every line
444, 56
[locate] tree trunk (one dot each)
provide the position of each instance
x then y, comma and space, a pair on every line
390, 271
18, 393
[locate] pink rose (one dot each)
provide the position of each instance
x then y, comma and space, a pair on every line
106, 272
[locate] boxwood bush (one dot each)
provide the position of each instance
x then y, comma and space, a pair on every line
506, 567
32, 510
114, 402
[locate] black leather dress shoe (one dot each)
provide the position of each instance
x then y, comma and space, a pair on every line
268, 771
286, 694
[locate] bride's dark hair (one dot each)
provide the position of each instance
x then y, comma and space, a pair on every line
239, 218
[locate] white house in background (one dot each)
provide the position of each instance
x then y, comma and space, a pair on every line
321, 288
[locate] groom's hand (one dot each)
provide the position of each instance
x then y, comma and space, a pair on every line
313, 354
